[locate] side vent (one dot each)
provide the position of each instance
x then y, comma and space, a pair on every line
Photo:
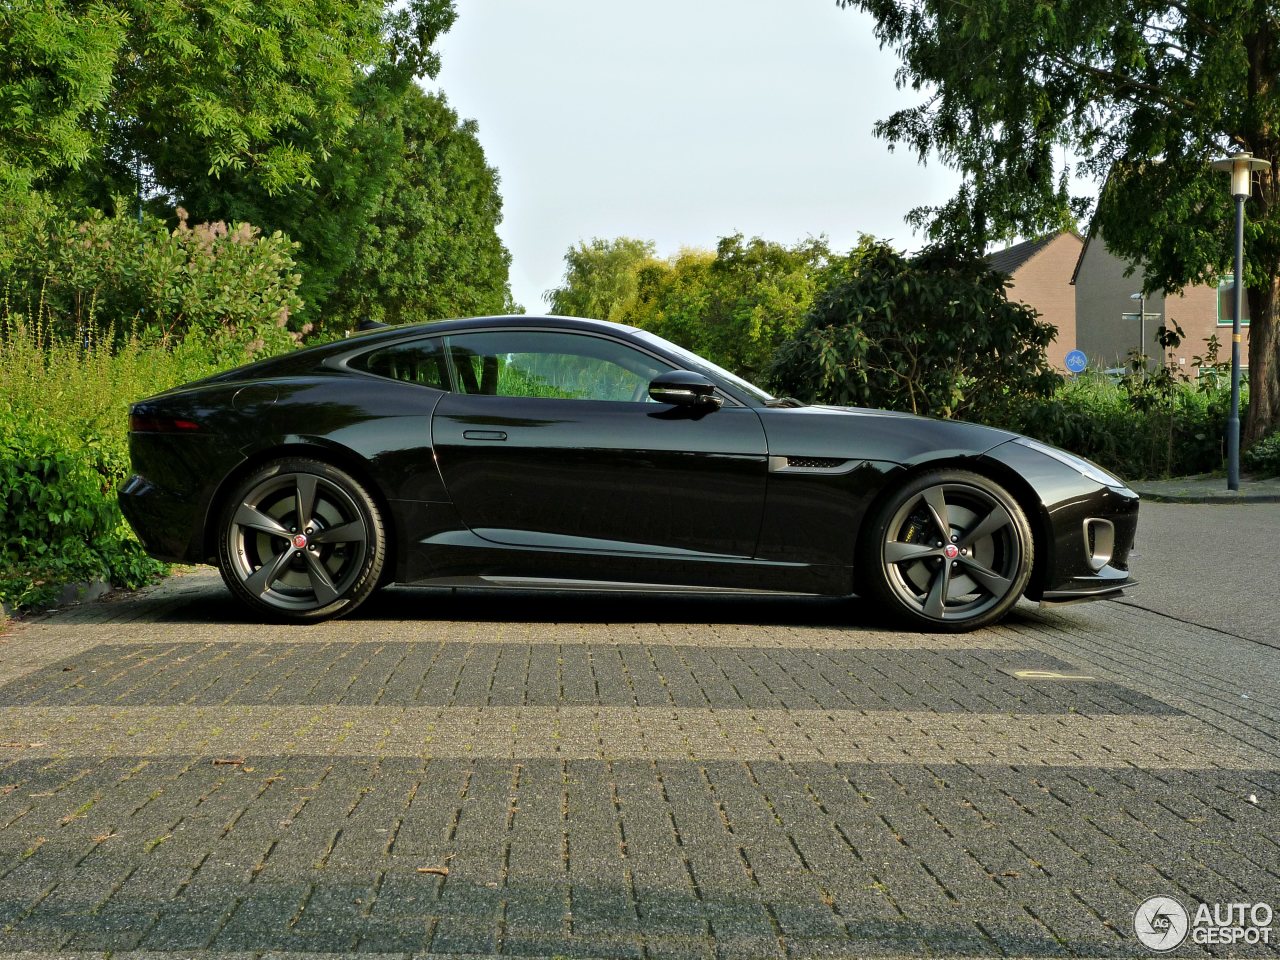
811, 465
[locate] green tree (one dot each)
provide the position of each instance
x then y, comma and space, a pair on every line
327, 211
934, 334
736, 306
1146, 93
56, 63
187, 88
600, 278
430, 248
286, 114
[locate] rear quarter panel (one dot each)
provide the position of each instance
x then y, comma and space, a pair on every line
381, 429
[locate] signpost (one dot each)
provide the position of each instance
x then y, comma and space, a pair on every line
1077, 362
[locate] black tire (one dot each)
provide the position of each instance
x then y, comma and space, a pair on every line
950, 551
301, 541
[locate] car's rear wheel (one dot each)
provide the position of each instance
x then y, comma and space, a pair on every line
301, 540
950, 551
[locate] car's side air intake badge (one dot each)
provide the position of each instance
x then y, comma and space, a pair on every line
811, 465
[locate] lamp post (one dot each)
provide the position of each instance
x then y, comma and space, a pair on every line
1142, 327
1241, 167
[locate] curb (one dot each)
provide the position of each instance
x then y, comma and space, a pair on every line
82, 591
1215, 498
1209, 488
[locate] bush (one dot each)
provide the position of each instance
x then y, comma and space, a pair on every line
1264, 456
178, 305
933, 334
59, 521
1124, 429
227, 285
64, 452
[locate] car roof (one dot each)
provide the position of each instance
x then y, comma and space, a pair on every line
498, 320
307, 359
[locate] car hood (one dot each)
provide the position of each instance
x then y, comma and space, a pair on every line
867, 434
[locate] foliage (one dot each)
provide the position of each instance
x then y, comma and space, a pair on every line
56, 71
933, 334
188, 89
63, 453
600, 278
1149, 388
735, 307
430, 248
404, 208
1145, 93
302, 118
1264, 456
58, 518
1104, 421
232, 287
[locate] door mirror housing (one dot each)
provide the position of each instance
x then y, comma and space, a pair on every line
684, 388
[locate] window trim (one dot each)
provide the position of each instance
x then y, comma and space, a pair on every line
344, 362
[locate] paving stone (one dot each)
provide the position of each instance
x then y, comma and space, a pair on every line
620, 788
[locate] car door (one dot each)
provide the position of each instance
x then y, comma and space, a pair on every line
550, 440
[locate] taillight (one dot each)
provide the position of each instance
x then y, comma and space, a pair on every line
150, 423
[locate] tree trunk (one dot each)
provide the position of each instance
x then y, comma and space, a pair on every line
1262, 418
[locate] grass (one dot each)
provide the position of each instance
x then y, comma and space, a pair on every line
64, 405
86, 383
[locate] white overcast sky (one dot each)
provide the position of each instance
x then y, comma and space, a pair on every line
681, 121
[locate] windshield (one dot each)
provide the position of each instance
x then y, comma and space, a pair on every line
696, 362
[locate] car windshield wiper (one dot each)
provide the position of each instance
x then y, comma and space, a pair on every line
784, 402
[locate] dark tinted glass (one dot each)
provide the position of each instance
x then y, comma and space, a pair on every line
566, 366
418, 361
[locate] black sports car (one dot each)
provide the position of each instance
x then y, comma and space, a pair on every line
557, 452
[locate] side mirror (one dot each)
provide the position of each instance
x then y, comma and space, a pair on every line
684, 388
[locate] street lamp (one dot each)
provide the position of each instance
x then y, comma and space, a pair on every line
1142, 327
1241, 167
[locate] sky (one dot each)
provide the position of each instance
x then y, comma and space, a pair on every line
682, 121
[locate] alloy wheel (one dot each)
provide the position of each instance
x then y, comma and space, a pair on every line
297, 541
952, 552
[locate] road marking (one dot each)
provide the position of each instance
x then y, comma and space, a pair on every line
1045, 675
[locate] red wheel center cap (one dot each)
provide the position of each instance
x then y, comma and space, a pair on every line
951, 551
299, 541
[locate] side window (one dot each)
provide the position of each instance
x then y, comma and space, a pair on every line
568, 366
418, 361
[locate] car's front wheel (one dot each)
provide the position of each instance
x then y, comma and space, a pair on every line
301, 540
950, 551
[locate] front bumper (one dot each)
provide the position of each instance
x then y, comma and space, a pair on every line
1084, 532
1093, 538
1088, 588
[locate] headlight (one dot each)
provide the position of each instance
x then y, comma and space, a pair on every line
1079, 464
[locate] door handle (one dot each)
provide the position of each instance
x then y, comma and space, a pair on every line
484, 435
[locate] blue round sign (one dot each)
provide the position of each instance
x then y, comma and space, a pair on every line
1077, 361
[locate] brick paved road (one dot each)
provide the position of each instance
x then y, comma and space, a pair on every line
622, 777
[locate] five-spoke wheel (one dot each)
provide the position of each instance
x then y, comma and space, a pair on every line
301, 540
951, 550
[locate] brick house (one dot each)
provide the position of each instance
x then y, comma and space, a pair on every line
1042, 272
1107, 322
